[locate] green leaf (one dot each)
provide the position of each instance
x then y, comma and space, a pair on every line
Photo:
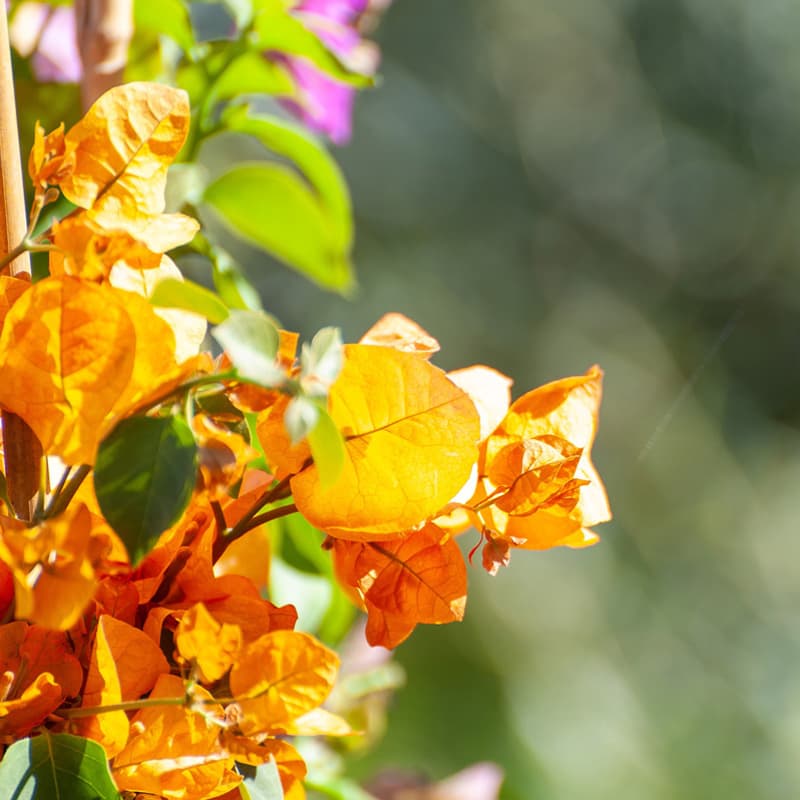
279, 31
338, 788
327, 448
300, 417
144, 476
251, 418
53, 766
250, 338
189, 296
292, 141
321, 361
251, 73
272, 207
262, 782
168, 17
193, 79
231, 284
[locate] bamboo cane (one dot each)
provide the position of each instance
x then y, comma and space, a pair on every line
21, 449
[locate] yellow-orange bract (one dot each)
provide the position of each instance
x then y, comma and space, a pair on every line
76, 356
119, 152
113, 166
410, 440
210, 645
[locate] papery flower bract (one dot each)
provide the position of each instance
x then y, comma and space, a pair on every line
553, 494
324, 104
38, 670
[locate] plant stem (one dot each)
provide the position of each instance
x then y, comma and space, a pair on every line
194, 383
130, 705
252, 519
62, 500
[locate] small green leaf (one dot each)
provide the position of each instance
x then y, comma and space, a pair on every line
231, 284
300, 417
168, 17
189, 296
251, 73
56, 766
144, 476
321, 361
293, 141
279, 31
262, 782
250, 338
193, 79
271, 206
251, 419
327, 448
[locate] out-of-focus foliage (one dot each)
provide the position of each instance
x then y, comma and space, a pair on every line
612, 182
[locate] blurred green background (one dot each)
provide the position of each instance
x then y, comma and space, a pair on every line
545, 185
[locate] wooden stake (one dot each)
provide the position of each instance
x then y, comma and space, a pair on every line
104, 29
21, 449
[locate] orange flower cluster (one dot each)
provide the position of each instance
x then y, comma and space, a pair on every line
176, 664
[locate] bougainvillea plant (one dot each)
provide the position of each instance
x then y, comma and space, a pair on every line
164, 442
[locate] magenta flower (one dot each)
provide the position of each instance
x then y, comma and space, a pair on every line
48, 33
324, 104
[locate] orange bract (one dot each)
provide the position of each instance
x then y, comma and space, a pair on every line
410, 440
541, 453
38, 672
402, 582
280, 677
53, 565
175, 752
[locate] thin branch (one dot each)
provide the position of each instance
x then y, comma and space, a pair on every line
222, 543
268, 516
129, 705
68, 492
48, 511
